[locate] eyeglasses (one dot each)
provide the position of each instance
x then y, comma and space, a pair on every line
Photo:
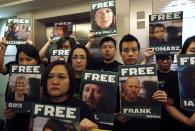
79, 57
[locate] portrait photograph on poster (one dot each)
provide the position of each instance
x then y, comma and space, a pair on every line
98, 91
137, 84
103, 17
17, 31
165, 32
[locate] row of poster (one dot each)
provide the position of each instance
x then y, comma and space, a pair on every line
165, 29
137, 83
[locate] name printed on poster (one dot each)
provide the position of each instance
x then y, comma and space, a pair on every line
188, 103
100, 77
103, 4
55, 111
138, 71
137, 110
21, 21
167, 48
166, 16
187, 60
61, 52
25, 69
16, 42
14, 105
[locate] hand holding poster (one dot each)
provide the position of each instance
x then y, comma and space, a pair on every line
186, 76
58, 118
103, 17
137, 85
98, 91
17, 30
24, 87
165, 32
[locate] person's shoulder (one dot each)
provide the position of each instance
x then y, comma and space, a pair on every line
117, 63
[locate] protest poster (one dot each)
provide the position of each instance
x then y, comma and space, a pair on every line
24, 87
60, 55
186, 78
99, 91
137, 84
165, 32
61, 29
54, 118
17, 31
103, 17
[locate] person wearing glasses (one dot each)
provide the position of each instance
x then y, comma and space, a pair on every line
80, 59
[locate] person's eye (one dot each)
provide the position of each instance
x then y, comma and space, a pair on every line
126, 50
50, 76
134, 49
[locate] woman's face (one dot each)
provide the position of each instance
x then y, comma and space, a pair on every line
79, 60
58, 82
191, 48
104, 17
24, 59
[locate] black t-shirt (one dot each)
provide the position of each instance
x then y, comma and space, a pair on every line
168, 82
101, 65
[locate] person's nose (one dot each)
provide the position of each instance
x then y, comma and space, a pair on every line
130, 53
90, 94
55, 80
78, 60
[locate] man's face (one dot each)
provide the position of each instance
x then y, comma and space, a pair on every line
164, 64
159, 33
20, 86
60, 31
108, 50
191, 48
132, 89
130, 52
92, 95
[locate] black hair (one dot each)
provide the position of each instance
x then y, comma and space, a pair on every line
164, 56
128, 38
63, 39
54, 125
88, 66
187, 43
106, 39
45, 75
29, 50
158, 25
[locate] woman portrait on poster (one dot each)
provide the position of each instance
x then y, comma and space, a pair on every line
104, 18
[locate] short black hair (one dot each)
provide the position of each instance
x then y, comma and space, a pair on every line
45, 75
29, 50
63, 39
106, 39
187, 43
158, 25
164, 56
128, 38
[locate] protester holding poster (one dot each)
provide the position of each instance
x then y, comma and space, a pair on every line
103, 17
166, 32
129, 48
58, 88
80, 59
184, 120
26, 55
